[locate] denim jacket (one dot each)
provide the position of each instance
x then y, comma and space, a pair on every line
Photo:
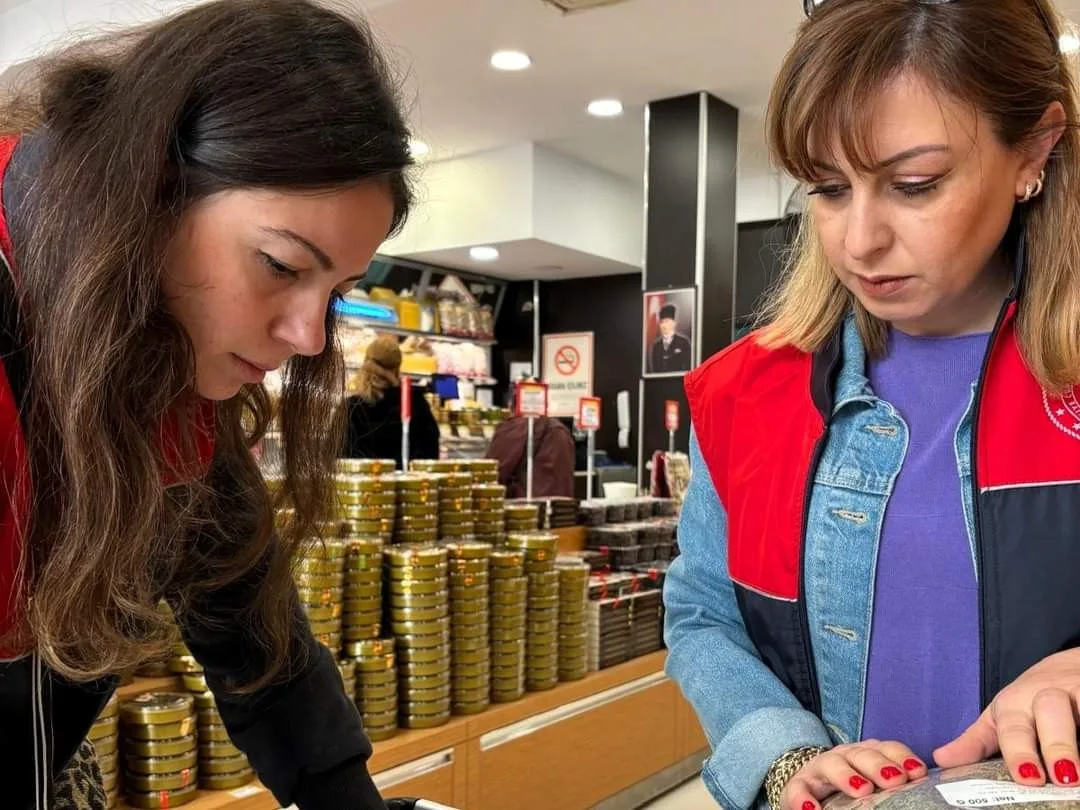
748, 716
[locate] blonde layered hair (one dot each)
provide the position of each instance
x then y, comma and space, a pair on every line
1002, 58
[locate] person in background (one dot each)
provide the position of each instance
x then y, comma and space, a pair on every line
879, 556
374, 413
181, 205
671, 351
553, 457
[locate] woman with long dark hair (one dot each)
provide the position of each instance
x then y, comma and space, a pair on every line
180, 208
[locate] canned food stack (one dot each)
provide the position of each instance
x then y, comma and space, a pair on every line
484, 470
457, 519
489, 504
347, 670
418, 508
160, 750
366, 466
470, 626
362, 614
104, 735
573, 600
183, 663
375, 667
429, 465
160, 667
367, 505
522, 517
222, 766
320, 580
509, 615
542, 629
420, 622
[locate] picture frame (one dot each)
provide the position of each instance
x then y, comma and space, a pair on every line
668, 332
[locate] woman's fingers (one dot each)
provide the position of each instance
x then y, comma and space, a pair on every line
873, 764
913, 767
800, 795
1019, 744
839, 771
1055, 722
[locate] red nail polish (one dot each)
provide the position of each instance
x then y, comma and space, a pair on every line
808, 805
1065, 772
857, 782
912, 764
890, 772
1029, 770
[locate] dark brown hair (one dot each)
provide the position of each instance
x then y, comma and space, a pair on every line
233, 94
1002, 58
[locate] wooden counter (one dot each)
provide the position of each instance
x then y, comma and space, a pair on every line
491, 760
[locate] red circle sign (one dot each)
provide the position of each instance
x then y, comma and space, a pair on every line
567, 360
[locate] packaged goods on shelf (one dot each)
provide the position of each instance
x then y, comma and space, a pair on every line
470, 626
222, 766
522, 516
542, 630
573, 624
159, 750
320, 581
509, 592
375, 665
104, 736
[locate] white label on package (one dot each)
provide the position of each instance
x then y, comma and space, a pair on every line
988, 793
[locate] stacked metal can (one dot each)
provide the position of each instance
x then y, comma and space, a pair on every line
457, 519
320, 580
222, 766
367, 505
470, 626
347, 669
484, 470
366, 466
509, 592
522, 517
104, 735
573, 622
542, 631
376, 686
183, 663
420, 622
362, 616
489, 504
160, 750
418, 508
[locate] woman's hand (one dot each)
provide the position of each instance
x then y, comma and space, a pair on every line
1032, 722
855, 770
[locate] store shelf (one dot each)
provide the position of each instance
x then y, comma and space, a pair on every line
460, 732
378, 326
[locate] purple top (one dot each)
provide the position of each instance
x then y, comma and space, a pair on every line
922, 684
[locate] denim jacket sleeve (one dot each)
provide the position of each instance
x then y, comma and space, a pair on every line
748, 716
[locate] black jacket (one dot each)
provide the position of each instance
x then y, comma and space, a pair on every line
375, 428
303, 735
677, 356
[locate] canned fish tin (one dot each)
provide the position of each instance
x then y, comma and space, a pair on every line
218, 749
424, 721
112, 708
409, 484
158, 765
161, 748
418, 615
102, 728
423, 670
508, 563
213, 733
157, 782
419, 600
420, 587
156, 708
366, 692
461, 551
223, 765
380, 705
379, 719
323, 613
354, 633
165, 731
364, 482
363, 590
415, 556
162, 799
435, 708
381, 734
375, 663
481, 655
194, 683
320, 582
227, 781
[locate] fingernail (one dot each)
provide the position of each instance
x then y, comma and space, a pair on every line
857, 782
1029, 770
808, 805
912, 764
1065, 772
890, 772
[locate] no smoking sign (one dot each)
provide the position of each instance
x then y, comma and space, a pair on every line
567, 360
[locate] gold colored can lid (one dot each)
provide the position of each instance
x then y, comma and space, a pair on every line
223, 765
102, 729
164, 731
158, 765
468, 550
205, 702
195, 683
218, 749
161, 748
227, 781
185, 665
373, 648
213, 733
157, 708
161, 799
414, 555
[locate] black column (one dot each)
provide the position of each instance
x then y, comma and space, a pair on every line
689, 238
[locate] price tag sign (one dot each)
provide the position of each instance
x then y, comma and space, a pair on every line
589, 413
531, 399
671, 415
406, 399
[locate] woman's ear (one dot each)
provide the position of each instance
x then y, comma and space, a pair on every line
1037, 152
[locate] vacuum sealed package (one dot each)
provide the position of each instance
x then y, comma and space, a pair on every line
986, 784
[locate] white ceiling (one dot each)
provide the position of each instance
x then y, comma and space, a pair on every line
527, 259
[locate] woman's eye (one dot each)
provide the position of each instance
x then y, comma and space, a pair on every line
278, 268
916, 189
829, 191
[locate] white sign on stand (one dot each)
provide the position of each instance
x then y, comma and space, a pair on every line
568, 371
588, 419
530, 401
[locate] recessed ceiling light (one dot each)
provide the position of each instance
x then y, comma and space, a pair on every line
483, 253
605, 107
510, 60
1069, 42
418, 148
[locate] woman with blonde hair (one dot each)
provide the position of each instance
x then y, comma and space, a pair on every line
879, 540
375, 420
